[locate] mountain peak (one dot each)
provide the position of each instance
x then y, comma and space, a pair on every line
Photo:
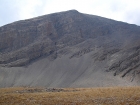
77, 49
73, 10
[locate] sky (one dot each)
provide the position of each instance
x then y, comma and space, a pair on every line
120, 10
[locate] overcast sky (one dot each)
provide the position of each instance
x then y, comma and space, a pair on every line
121, 10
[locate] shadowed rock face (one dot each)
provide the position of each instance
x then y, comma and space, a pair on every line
69, 49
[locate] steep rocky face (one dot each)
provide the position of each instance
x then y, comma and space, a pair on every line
111, 46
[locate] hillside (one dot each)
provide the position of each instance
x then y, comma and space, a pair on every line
69, 49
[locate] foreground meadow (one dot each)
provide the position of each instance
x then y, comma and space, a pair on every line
70, 96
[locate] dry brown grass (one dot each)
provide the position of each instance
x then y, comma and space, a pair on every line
78, 96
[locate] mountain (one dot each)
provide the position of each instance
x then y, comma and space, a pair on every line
69, 49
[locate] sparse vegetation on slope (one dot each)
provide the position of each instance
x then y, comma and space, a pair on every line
70, 96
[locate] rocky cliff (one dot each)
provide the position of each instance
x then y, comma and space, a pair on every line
69, 49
